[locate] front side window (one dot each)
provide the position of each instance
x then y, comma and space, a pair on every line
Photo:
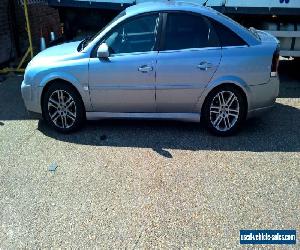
184, 31
135, 35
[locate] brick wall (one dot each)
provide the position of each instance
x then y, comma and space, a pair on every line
13, 35
45, 19
6, 39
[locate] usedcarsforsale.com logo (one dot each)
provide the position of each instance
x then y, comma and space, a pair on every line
268, 237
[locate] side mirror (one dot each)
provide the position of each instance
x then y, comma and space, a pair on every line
103, 51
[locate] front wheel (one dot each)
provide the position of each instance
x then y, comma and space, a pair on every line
224, 110
63, 108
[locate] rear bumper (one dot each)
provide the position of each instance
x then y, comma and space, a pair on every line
262, 97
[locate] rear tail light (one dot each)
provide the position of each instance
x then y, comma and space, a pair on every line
275, 63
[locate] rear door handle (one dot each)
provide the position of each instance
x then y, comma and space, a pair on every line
204, 65
145, 68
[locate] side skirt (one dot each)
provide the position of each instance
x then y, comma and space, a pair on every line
191, 117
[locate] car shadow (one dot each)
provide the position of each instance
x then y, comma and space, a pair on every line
11, 103
277, 131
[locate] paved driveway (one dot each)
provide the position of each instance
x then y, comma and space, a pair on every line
142, 184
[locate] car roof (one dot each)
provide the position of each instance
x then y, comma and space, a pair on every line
167, 5
146, 7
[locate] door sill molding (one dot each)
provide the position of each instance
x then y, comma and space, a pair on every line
192, 117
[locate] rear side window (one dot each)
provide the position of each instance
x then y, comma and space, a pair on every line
184, 31
227, 36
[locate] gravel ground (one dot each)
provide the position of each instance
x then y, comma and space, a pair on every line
144, 184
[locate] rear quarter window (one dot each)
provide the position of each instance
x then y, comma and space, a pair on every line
226, 36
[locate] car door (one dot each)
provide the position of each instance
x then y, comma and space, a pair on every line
125, 82
189, 56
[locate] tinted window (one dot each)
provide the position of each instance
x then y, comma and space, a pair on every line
227, 36
135, 35
185, 31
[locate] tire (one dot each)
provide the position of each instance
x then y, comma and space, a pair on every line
63, 108
224, 110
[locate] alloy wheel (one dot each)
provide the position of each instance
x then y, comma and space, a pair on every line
62, 109
224, 110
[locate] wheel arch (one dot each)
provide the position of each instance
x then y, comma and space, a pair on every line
239, 88
228, 129
83, 92
239, 84
48, 84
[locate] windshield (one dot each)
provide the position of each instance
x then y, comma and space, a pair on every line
88, 39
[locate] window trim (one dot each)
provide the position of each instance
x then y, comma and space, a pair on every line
207, 20
157, 40
190, 50
164, 28
246, 44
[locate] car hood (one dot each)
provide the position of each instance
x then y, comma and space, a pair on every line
66, 51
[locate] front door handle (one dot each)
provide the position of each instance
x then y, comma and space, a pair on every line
145, 68
204, 65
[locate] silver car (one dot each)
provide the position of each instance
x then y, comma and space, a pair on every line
157, 61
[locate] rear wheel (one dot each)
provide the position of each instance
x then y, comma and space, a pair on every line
224, 110
63, 108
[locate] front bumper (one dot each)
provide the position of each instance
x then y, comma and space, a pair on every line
31, 97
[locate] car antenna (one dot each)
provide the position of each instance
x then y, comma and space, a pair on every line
204, 4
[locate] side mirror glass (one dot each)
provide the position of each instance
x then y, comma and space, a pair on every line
103, 51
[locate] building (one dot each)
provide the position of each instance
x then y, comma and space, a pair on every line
13, 35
